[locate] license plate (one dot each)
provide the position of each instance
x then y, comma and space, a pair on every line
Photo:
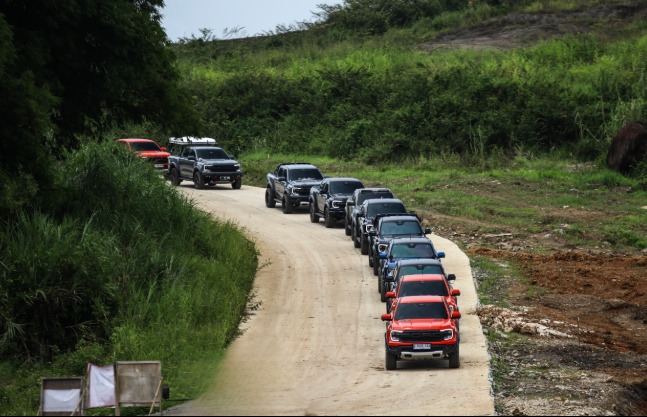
224, 178
159, 165
422, 346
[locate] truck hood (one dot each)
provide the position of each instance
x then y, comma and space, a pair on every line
219, 161
305, 183
422, 324
154, 154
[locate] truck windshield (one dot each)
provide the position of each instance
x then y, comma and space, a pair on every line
207, 153
409, 311
344, 187
413, 250
384, 208
304, 174
419, 269
401, 228
144, 146
423, 288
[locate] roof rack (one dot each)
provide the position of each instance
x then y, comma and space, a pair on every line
192, 140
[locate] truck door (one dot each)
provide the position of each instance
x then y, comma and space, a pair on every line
324, 189
186, 165
279, 185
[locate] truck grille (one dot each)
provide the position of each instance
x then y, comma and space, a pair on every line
425, 336
161, 160
219, 168
301, 191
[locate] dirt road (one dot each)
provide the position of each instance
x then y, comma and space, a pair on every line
316, 344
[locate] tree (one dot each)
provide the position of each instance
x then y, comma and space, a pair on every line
70, 65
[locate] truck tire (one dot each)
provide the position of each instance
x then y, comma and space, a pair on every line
382, 289
454, 360
346, 227
287, 206
314, 217
174, 177
269, 198
354, 237
379, 283
370, 260
198, 180
364, 246
329, 220
376, 265
237, 184
390, 361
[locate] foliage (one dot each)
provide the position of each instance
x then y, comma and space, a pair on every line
121, 267
381, 102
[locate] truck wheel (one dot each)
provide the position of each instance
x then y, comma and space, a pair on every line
382, 289
454, 360
287, 206
314, 217
376, 265
354, 237
269, 198
390, 362
346, 227
174, 177
198, 180
330, 220
237, 184
370, 260
379, 283
364, 246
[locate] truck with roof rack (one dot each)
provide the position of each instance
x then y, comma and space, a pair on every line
200, 160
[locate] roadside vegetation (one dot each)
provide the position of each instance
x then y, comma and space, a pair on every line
101, 261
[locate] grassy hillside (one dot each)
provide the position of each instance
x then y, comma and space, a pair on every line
343, 91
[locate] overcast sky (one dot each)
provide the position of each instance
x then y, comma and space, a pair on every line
183, 18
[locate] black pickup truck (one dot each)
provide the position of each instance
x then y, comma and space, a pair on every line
363, 222
328, 199
289, 185
355, 201
204, 165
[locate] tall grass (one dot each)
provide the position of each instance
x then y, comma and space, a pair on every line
123, 268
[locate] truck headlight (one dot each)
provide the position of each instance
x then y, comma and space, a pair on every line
338, 204
395, 335
448, 334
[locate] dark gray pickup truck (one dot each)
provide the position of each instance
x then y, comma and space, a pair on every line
204, 165
289, 185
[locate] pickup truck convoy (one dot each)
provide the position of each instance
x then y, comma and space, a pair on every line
200, 161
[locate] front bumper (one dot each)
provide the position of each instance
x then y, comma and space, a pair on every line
437, 351
221, 177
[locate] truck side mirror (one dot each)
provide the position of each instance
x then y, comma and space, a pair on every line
390, 294
386, 317
456, 315
350, 203
440, 255
191, 158
456, 292
427, 231
451, 277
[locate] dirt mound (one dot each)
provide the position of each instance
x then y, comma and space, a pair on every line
523, 29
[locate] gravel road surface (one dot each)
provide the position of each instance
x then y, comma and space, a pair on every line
316, 344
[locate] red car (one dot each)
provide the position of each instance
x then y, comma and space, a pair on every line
150, 150
424, 284
421, 328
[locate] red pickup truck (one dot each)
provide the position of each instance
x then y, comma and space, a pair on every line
424, 284
421, 328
